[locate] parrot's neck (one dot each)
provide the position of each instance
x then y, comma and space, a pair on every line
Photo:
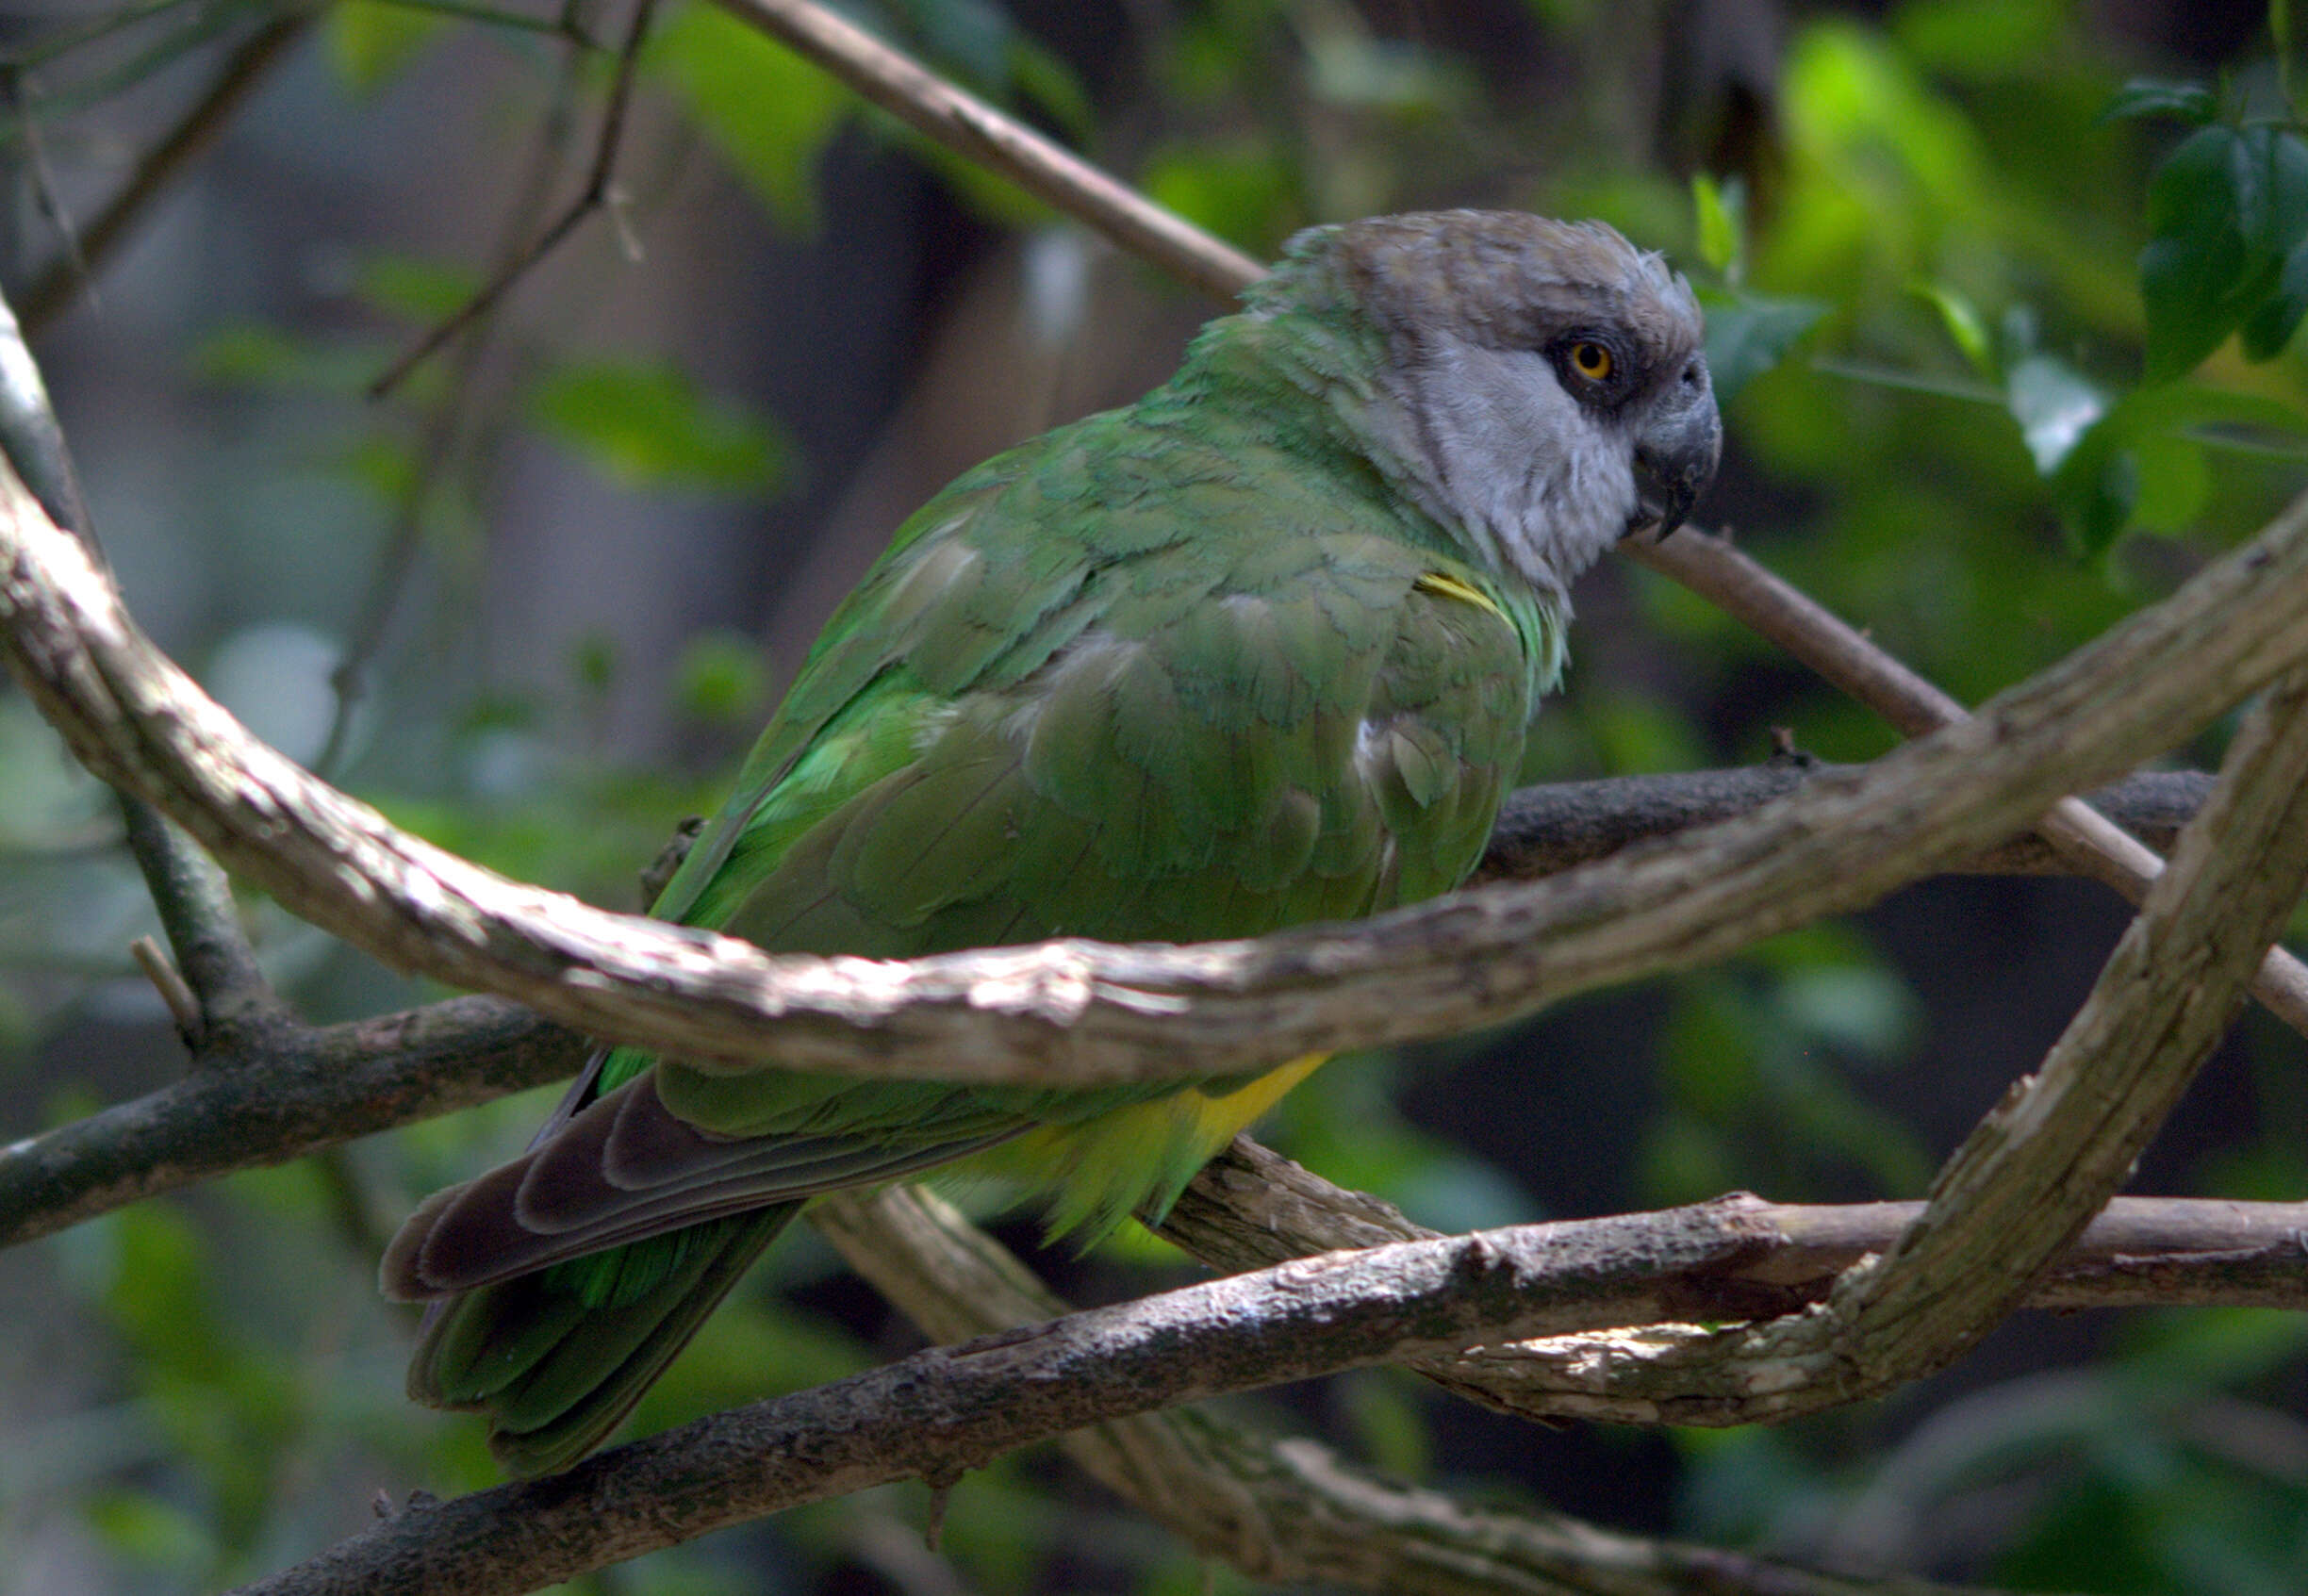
1308, 341
1249, 376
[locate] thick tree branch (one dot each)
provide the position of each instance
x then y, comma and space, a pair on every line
2088, 841
298, 1090
1251, 1207
1078, 1013
2035, 1170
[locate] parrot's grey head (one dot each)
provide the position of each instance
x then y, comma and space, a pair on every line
1545, 386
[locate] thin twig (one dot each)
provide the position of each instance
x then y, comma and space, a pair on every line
596, 195
182, 1006
54, 289
18, 84
450, 410
1001, 144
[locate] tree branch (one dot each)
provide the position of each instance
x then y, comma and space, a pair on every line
1078, 1013
303, 1090
297, 1089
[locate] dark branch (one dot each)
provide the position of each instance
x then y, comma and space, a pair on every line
596, 195
65, 277
310, 1089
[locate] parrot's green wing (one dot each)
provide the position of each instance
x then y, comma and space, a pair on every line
1130, 682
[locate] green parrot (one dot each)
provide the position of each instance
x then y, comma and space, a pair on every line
1256, 650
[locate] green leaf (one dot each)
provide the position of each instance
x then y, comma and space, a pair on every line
369, 42
2140, 463
2225, 210
1722, 215
2055, 406
648, 426
1961, 318
720, 678
1242, 190
1748, 334
2174, 482
2271, 326
422, 290
768, 111
2156, 96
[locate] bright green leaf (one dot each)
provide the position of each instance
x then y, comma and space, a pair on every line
649, 426
369, 42
1722, 211
765, 110
1961, 318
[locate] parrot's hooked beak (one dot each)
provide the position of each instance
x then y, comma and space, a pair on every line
1676, 453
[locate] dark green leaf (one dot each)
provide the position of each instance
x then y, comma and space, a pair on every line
1748, 334
2270, 326
2097, 491
2196, 266
2224, 211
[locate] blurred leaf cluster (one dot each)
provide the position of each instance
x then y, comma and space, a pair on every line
2001, 308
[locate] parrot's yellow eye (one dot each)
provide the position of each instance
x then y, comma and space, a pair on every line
1591, 360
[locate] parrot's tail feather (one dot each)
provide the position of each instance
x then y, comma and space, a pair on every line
621, 1170
554, 1374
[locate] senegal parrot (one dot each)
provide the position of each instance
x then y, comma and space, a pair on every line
1256, 650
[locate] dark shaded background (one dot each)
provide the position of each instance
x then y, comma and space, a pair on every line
596, 614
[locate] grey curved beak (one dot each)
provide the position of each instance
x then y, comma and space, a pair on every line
1676, 451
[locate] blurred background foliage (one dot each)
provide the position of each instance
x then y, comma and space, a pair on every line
1972, 301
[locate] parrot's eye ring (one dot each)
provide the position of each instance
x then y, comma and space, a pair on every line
1592, 360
